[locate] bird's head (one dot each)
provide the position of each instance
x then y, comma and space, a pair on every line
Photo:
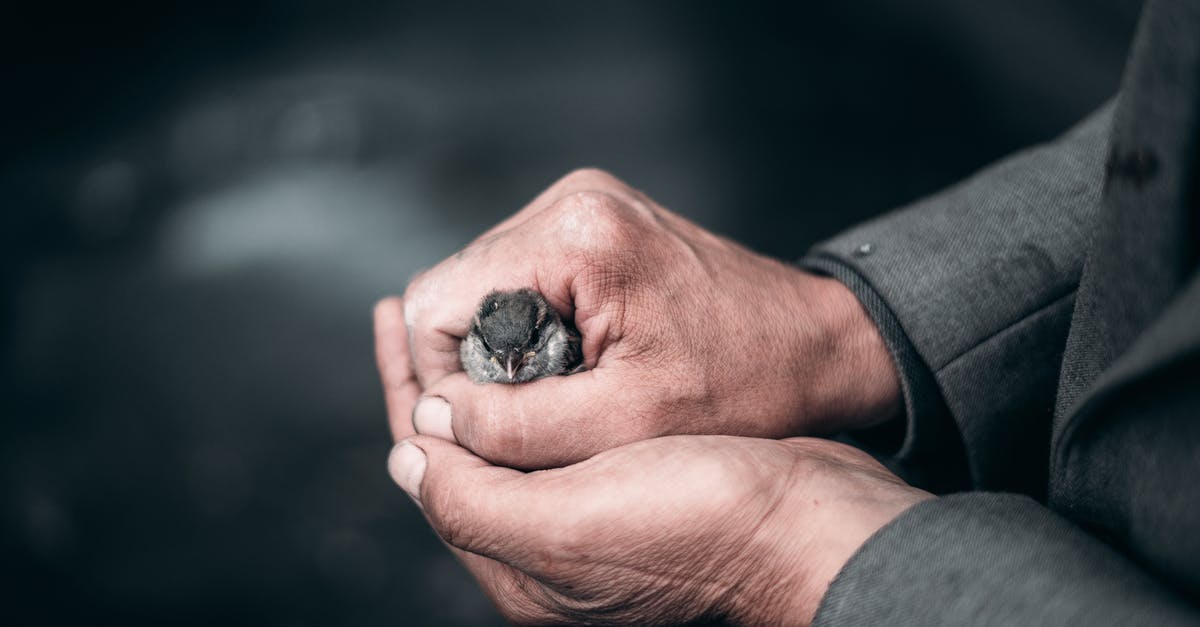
511, 326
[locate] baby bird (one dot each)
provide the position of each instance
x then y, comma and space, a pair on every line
517, 337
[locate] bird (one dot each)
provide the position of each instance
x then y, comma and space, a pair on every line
516, 336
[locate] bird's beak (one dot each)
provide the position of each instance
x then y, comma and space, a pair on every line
512, 363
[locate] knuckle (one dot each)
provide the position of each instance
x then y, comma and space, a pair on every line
419, 298
494, 435
590, 176
596, 205
595, 221
506, 446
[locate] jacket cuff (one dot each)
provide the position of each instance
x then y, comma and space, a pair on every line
920, 446
980, 279
988, 558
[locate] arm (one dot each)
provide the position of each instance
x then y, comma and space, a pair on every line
973, 290
614, 539
669, 531
993, 559
800, 503
683, 332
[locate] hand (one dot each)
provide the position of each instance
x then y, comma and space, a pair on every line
683, 332
669, 530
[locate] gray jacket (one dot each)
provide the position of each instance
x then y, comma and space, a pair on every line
1045, 318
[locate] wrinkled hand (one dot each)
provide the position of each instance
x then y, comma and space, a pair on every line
683, 332
669, 530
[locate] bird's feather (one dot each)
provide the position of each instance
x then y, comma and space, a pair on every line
517, 336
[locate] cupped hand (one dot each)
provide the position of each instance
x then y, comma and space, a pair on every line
684, 332
664, 531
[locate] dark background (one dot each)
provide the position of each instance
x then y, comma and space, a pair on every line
201, 202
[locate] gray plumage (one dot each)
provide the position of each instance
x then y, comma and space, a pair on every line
517, 337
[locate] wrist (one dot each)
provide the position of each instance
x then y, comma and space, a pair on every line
855, 382
834, 505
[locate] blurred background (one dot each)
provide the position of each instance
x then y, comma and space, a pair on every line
200, 202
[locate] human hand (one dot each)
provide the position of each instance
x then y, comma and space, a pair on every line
683, 332
663, 531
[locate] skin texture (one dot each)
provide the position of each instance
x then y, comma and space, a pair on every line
683, 333
665, 531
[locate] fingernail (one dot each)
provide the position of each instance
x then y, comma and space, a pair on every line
406, 464
431, 416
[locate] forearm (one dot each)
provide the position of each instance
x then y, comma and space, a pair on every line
993, 559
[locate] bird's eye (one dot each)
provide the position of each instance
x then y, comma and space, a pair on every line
534, 336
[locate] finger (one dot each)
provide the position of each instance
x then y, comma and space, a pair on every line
575, 215
547, 423
548, 257
400, 388
473, 505
507, 587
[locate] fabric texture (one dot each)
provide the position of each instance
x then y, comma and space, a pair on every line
982, 279
942, 470
1059, 576
1044, 317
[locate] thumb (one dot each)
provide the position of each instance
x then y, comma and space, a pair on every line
548, 423
471, 504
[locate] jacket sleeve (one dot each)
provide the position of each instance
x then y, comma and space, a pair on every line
973, 291
985, 559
